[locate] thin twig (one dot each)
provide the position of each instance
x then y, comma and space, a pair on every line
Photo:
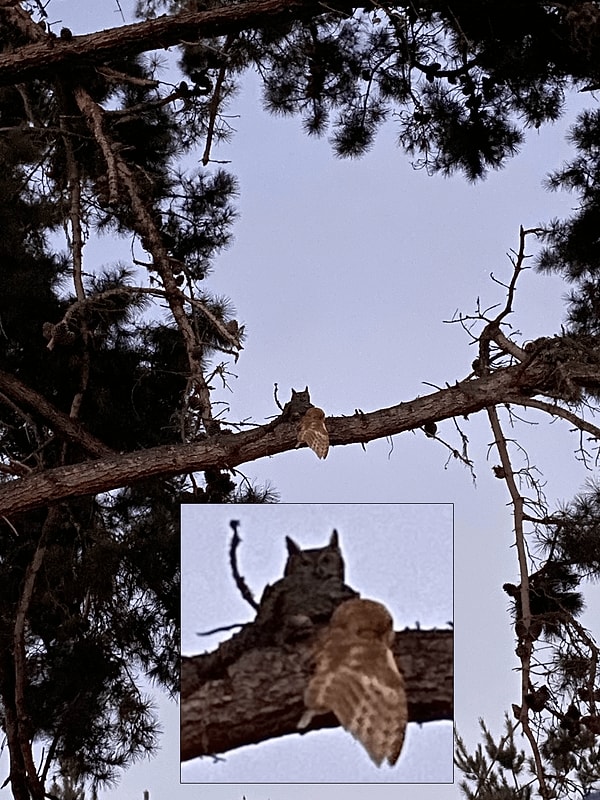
215, 101
221, 629
239, 580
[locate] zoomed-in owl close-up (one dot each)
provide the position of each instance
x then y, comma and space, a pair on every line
317, 656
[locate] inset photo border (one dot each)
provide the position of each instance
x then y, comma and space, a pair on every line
259, 583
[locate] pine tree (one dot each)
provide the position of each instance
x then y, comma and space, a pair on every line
101, 394
90, 598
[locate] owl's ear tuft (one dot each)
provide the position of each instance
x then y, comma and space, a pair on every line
292, 547
334, 539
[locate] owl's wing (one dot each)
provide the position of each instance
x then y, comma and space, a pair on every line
317, 439
366, 693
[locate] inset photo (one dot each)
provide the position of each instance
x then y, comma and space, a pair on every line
317, 643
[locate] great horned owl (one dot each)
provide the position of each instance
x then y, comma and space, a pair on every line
295, 606
320, 562
356, 677
311, 588
312, 431
297, 406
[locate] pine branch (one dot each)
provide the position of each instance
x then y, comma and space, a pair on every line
227, 450
215, 721
26, 397
50, 54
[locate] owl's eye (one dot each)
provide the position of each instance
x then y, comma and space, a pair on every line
326, 565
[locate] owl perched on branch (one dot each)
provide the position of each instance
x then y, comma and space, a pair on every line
312, 431
356, 677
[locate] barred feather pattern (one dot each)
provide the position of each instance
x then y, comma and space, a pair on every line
356, 677
313, 432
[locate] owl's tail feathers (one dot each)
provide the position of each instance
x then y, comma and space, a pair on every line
380, 745
396, 748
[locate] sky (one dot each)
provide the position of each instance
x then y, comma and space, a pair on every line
346, 274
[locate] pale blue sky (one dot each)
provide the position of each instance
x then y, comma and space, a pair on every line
344, 273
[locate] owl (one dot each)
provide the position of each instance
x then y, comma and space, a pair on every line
311, 589
312, 431
356, 677
319, 562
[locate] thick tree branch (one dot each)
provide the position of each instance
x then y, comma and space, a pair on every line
35, 60
261, 695
25, 397
227, 450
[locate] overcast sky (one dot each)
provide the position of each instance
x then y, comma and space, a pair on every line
344, 273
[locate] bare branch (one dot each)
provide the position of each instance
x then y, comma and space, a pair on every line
151, 234
557, 411
74, 183
228, 450
525, 646
215, 101
239, 580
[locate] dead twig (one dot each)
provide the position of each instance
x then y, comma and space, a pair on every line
239, 580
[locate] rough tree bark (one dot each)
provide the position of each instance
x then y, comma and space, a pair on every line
543, 372
52, 55
260, 696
